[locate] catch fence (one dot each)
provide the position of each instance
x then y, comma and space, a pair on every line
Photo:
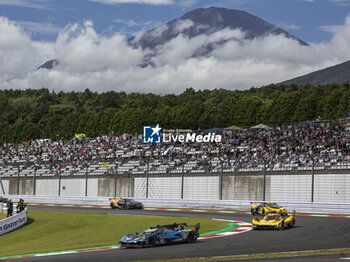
309, 184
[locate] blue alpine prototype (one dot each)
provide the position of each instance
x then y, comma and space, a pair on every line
161, 235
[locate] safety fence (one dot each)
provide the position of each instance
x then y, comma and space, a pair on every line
300, 207
299, 186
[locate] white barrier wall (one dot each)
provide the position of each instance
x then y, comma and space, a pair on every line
332, 188
290, 188
5, 184
47, 187
279, 187
204, 187
11, 223
299, 207
73, 187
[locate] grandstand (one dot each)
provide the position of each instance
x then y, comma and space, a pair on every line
295, 149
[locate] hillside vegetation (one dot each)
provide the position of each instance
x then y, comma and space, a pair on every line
32, 114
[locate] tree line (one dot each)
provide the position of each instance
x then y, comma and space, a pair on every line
40, 113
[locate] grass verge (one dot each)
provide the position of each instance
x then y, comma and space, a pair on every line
48, 231
2, 215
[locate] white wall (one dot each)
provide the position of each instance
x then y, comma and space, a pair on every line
47, 187
5, 184
92, 187
204, 187
290, 188
73, 187
332, 188
159, 187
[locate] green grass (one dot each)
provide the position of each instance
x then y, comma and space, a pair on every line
2, 215
57, 231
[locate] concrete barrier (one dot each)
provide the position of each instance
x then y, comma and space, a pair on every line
306, 207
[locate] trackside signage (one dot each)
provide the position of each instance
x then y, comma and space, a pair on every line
12, 223
153, 135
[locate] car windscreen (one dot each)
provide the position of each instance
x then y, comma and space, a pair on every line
273, 205
272, 217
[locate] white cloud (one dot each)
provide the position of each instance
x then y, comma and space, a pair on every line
181, 3
101, 63
37, 4
148, 2
290, 26
43, 28
341, 2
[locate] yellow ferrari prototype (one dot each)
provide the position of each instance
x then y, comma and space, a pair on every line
267, 207
274, 221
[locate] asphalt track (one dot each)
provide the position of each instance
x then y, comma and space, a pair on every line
310, 233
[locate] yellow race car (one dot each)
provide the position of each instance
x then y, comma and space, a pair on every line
274, 221
267, 207
114, 202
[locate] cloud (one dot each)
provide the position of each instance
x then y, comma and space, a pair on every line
37, 4
101, 63
42, 28
181, 3
147, 2
290, 26
341, 2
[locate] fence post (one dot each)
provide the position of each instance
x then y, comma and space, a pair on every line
129, 183
313, 181
2, 186
59, 181
34, 182
18, 171
115, 180
182, 179
221, 178
147, 179
264, 187
86, 180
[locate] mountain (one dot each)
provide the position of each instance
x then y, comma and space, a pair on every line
49, 64
337, 74
208, 21
202, 21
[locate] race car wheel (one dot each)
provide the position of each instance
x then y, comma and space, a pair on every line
151, 241
282, 226
252, 211
293, 222
190, 238
113, 206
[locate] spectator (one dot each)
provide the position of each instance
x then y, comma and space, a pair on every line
9, 208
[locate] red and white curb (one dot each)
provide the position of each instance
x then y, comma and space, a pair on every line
244, 227
188, 210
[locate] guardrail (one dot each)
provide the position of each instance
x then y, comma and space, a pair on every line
301, 207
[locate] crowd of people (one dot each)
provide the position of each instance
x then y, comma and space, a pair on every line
272, 148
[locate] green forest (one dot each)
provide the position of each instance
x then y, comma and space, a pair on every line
40, 113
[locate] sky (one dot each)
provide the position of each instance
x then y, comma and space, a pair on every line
88, 37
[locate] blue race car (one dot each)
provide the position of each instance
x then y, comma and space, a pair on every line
160, 235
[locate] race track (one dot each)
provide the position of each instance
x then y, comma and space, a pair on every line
310, 233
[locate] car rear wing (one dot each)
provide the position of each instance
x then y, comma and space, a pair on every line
181, 226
